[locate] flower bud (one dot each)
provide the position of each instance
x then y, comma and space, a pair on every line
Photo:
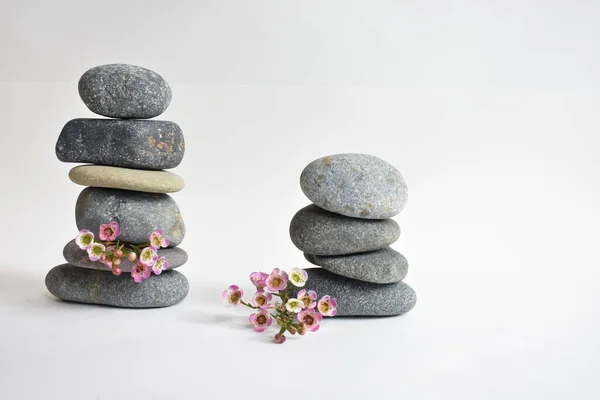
302, 329
117, 261
279, 339
116, 271
118, 253
103, 258
292, 330
132, 256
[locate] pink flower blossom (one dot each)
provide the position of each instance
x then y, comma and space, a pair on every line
84, 239
160, 265
95, 251
157, 240
109, 232
310, 318
259, 279
327, 306
139, 272
262, 299
261, 320
232, 296
308, 298
277, 280
148, 256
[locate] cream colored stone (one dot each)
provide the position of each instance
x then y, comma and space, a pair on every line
126, 178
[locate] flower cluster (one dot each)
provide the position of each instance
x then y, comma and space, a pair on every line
299, 314
109, 251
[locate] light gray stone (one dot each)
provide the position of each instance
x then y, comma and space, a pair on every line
355, 185
175, 256
320, 232
83, 285
380, 266
137, 213
126, 178
358, 298
124, 91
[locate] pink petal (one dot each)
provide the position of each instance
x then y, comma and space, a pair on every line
312, 294
259, 328
333, 313
333, 303
314, 328
301, 293
252, 318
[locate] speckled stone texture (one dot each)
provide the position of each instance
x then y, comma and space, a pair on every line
175, 256
380, 266
137, 213
122, 143
124, 91
357, 298
355, 185
316, 231
126, 178
91, 286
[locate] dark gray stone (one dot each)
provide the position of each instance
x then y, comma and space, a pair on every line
380, 266
316, 231
83, 285
175, 256
137, 213
124, 91
122, 143
355, 185
357, 298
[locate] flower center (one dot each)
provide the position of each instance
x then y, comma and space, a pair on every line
261, 319
276, 282
308, 320
261, 301
306, 300
324, 307
234, 297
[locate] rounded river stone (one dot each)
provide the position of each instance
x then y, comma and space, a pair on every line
124, 91
121, 143
126, 178
137, 213
175, 256
358, 298
355, 185
380, 266
83, 285
320, 232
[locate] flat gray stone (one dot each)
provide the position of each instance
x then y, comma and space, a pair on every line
316, 231
137, 213
175, 256
355, 185
83, 285
124, 91
357, 298
121, 143
126, 178
379, 266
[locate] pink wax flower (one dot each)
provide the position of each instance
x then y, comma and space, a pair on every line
84, 239
148, 256
139, 272
109, 232
232, 296
157, 240
310, 318
261, 320
308, 298
95, 251
262, 299
277, 280
160, 265
259, 279
327, 306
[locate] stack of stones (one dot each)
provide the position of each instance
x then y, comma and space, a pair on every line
347, 232
126, 185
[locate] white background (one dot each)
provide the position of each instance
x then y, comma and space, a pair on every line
488, 108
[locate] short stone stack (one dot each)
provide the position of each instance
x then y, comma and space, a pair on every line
347, 232
126, 185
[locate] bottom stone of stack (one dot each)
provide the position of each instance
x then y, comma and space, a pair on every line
83, 285
358, 298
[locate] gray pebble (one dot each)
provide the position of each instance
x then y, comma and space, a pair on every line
316, 231
122, 143
124, 91
137, 213
380, 266
357, 298
355, 185
83, 285
175, 256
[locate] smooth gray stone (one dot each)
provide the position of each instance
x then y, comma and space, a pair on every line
355, 185
357, 298
380, 266
316, 231
137, 213
175, 256
122, 143
124, 91
83, 285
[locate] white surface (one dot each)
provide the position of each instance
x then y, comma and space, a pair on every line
489, 110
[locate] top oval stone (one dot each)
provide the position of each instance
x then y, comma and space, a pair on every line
355, 185
124, 91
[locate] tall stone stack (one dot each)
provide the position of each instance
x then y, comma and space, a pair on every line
347, 232
126, 184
